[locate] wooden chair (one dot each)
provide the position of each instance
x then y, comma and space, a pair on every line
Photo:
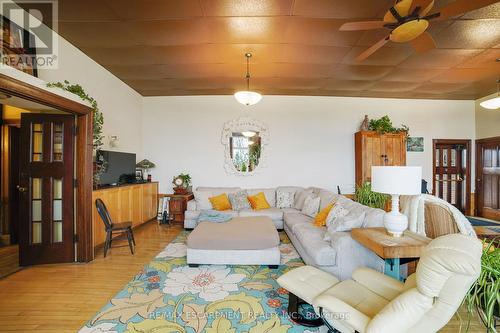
438, 220
114, 228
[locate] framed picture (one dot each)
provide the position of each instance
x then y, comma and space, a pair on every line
138, 174
16, 51
415, 144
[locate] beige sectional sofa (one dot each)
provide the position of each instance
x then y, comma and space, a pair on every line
340, 255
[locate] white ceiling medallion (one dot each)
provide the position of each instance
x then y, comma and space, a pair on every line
248, 97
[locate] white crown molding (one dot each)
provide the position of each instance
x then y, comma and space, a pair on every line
240, 125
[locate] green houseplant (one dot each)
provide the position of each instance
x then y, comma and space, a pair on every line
484, 295
365, 196
186, 179
384, 125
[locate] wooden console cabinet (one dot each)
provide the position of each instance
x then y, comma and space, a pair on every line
137, 203
374, 149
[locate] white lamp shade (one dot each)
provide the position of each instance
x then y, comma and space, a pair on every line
492, 103
248, 97
402, 180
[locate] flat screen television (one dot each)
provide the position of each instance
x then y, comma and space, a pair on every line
116, 164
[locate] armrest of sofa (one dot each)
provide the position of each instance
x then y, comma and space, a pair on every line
379, 283
352, 255
191, 205
342, 312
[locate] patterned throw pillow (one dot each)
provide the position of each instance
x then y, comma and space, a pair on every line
239, 200
284, 199
311, 206
345, 223
337, 211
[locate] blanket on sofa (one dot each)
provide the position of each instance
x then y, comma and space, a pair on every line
413, 206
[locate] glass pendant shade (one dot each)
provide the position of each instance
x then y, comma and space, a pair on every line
247, 97
492, 103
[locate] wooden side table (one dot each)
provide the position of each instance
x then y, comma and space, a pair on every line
177, 206
394, 250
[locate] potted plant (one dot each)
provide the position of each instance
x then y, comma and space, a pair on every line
384, 125
365, 196
182, 183
484, 295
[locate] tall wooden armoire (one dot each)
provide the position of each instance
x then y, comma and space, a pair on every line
374, 149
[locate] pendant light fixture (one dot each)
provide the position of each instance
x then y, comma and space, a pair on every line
247, 97
492, 103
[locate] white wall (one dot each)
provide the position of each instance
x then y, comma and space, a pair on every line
311, 138
487, 121
120, 104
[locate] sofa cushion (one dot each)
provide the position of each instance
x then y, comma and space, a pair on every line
326, 198
202, 199
293, 218
311, 238
273, 213
291, 210
201, 195
311, 206
292, 189
374, 218
300, 198
270, 194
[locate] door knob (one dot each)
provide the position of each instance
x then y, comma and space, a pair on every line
21, 189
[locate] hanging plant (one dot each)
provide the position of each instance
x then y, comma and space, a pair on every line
384, 125
98, 121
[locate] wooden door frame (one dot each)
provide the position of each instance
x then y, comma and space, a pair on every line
468, 144
83, 158
479, 172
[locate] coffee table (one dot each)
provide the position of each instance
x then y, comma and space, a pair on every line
240, 241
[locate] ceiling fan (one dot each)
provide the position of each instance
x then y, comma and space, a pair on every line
408, 21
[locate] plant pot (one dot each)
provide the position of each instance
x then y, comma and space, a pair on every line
182, 190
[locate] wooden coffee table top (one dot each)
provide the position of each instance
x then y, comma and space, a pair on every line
410, 245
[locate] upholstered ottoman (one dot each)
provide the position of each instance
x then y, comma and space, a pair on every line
303, 285
240, 241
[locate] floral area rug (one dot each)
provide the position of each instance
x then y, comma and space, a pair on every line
169, 296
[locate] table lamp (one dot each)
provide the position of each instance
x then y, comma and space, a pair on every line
396, 181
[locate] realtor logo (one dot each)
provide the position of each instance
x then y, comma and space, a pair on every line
29, 35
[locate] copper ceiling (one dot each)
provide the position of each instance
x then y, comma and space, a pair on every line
196, 47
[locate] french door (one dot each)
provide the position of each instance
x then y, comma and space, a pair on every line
451, 172
46, 189
488, 178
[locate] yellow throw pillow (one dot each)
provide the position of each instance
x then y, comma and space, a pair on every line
258, 201
220, 202
320, 219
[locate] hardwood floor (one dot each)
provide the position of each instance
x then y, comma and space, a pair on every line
61, 298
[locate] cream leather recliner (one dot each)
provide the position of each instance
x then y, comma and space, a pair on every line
373, 302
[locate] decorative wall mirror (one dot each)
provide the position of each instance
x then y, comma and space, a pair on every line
245, 141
